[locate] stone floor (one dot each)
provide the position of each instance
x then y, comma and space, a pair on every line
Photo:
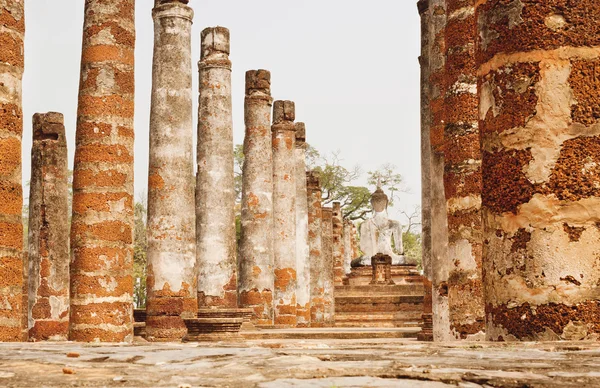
281, 363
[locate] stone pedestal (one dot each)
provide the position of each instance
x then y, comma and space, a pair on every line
218, 324
399, 303
382, 270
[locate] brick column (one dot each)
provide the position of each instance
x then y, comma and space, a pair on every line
255, 283
102, 223
284, 213
215, 196
426, 333
348, 236
539, 122
302, 249
48, 317
172, 280
439, 218
317, 270
12, 23
328, 274
338, 244
463, 174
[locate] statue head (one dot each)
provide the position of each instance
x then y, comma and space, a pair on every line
379, 200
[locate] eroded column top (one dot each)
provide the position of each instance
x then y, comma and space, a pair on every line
313, 180
215, 48
284, 111
172, 8
258, 83
48, 126
300, 135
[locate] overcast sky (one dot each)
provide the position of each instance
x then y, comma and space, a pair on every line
351, 67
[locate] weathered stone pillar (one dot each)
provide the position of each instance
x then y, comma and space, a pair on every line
102, 223
354, 241
302, 249
25, 299
215, 196
255, 283
12, 31
172, 280
48, 317
338, 244
348, 236
463, 174
317, 270
439, 218
284, 213
328, 274
426, 333
539, 121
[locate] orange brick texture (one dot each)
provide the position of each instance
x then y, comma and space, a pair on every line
462, 173
540, 136
12, 22
102, 224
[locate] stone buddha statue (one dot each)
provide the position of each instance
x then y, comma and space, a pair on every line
377, 232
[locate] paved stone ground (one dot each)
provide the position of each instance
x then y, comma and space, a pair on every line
282, 363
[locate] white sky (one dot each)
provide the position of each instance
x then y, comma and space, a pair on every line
351, 67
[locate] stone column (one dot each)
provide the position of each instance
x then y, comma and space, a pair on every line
539, 120
284, 213
255, 283
102, 223
439, 218
354, 242
48, 317
327, 258
338, 244
12, 23
215, 196
171, 285
463, 174
302, 249
317, 270
426, 333
348, 236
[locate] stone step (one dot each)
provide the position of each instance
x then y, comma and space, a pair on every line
198, 326
368, 308
378, 299
378, 316
333, 333
398, 289
245, 313
382, 324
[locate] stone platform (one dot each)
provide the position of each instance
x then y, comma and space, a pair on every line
301, 363
360, 304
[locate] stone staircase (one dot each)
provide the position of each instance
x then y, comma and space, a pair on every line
359, 304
